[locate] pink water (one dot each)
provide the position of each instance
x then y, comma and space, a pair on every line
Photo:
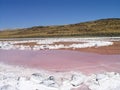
62, 60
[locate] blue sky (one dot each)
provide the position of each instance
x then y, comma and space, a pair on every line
28, 13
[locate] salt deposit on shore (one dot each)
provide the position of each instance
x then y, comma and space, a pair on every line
49, 43
19, 78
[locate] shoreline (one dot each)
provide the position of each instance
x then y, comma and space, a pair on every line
15, 77
59, 43
94, 67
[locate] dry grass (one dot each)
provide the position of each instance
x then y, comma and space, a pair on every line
103, 27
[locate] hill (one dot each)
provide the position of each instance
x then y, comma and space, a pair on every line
102, 27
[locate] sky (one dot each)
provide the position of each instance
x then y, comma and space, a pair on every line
28, 13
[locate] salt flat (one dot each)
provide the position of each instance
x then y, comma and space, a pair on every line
50, 43
19, 78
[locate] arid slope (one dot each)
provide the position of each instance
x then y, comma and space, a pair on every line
102, 27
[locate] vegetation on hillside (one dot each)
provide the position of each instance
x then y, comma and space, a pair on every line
102, 27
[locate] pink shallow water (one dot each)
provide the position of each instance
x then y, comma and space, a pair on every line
62, 60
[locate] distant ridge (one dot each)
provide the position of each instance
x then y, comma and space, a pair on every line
101, 27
